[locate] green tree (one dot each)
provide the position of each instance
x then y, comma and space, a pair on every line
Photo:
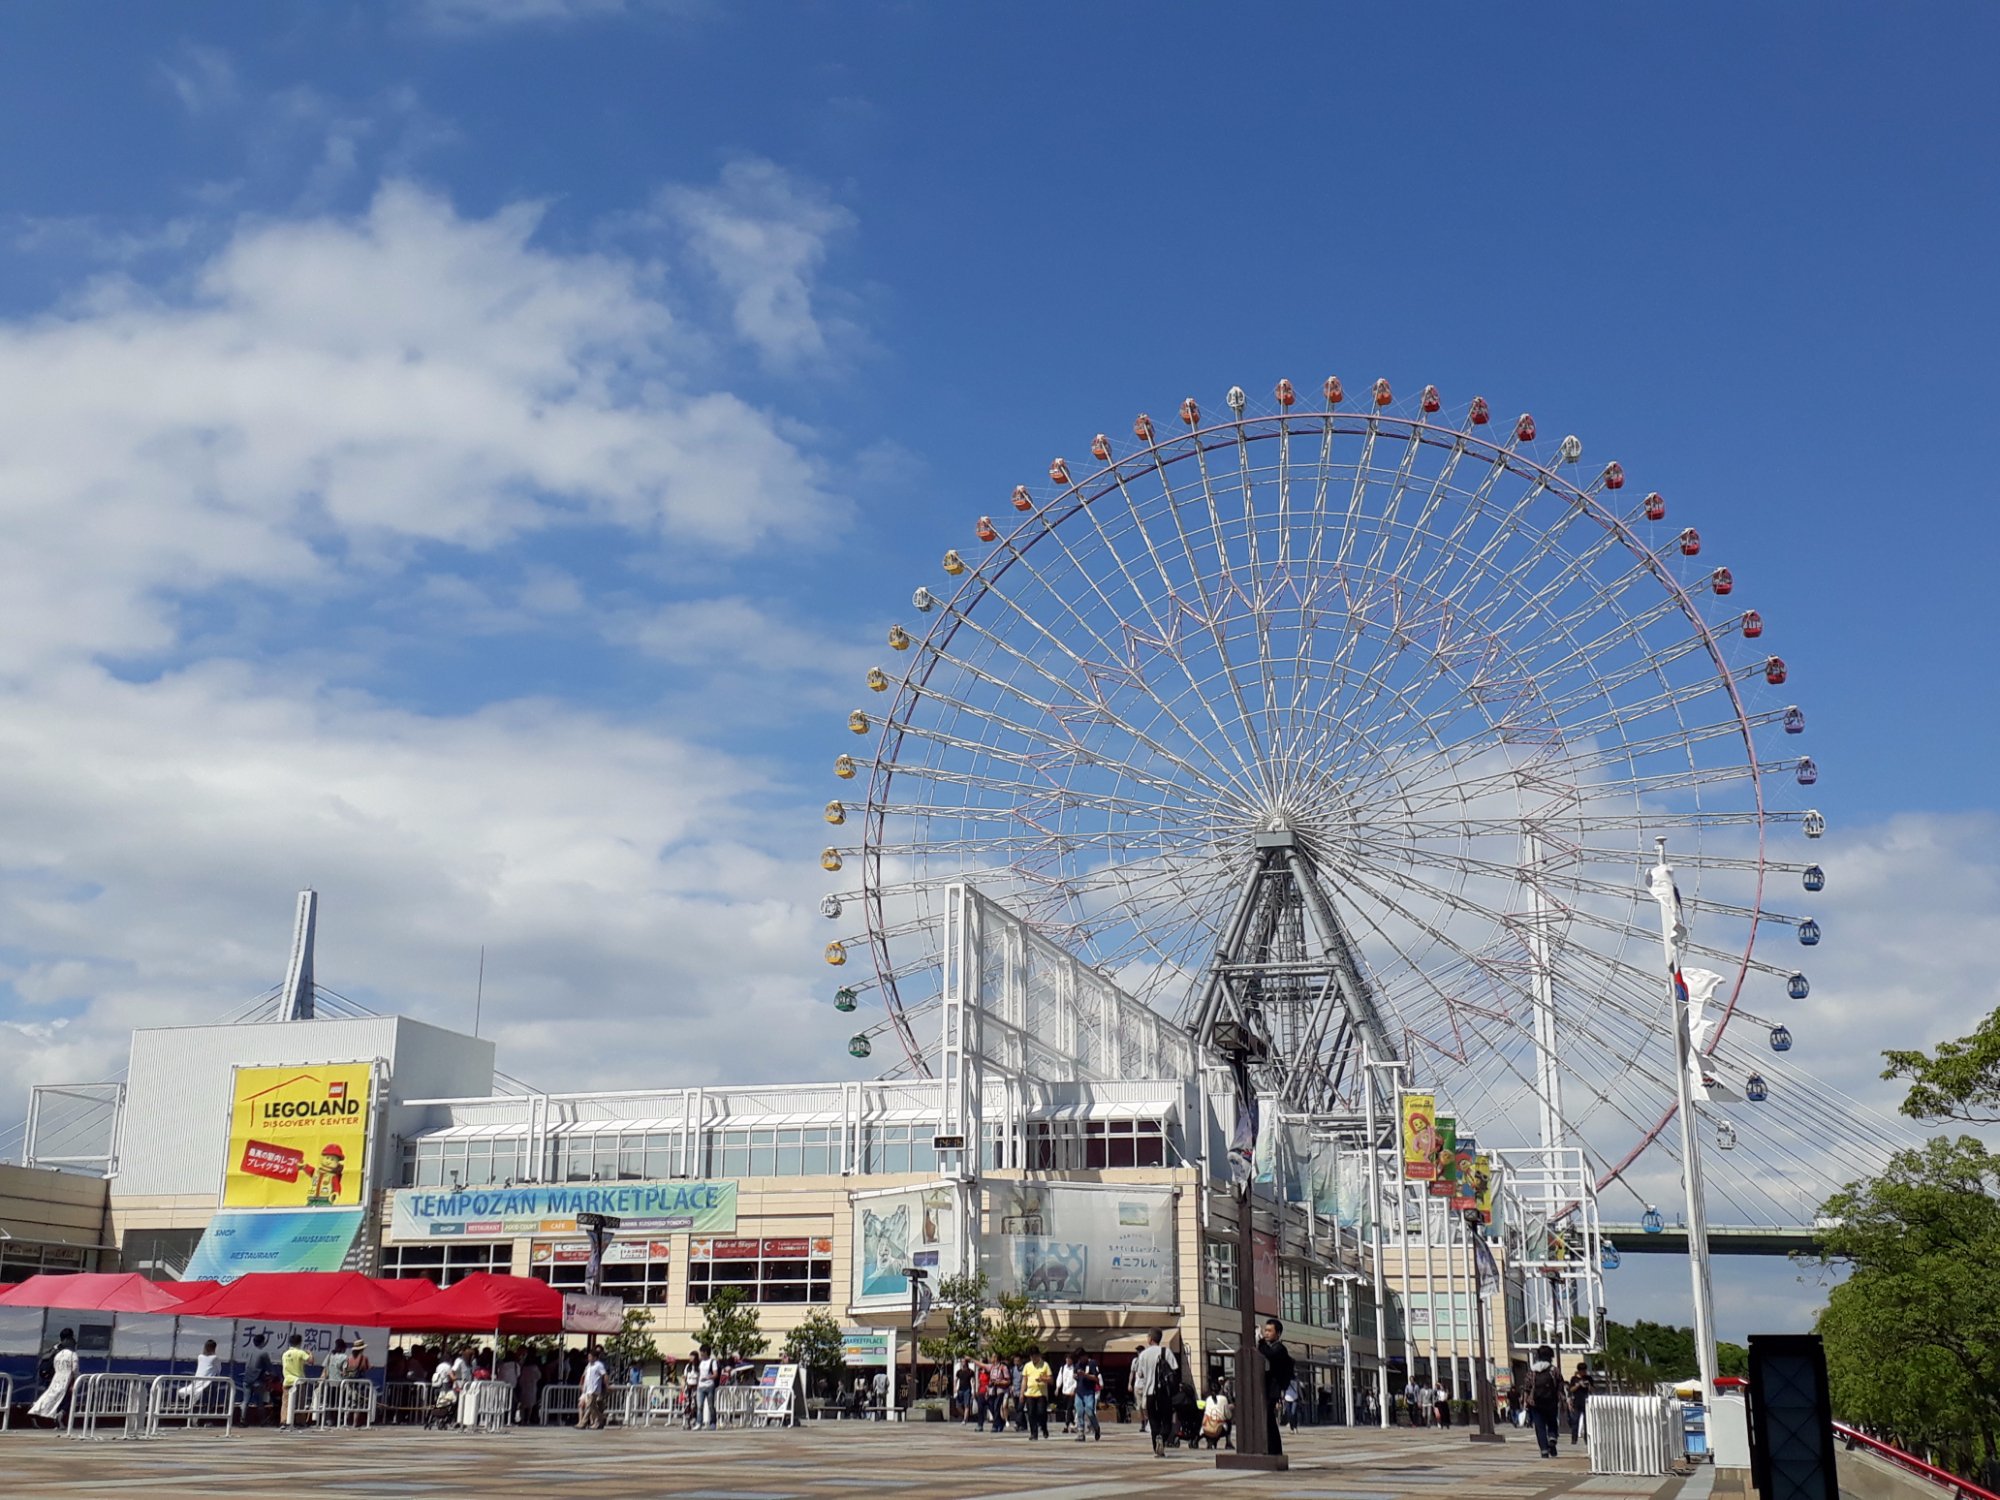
1962, 1082
963, 1299
729, 1326
1646, 1354
816, 1344
1012, 1334
632, 1344
1913, 1334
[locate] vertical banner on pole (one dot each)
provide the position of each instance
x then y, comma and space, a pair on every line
1465, 1174
1418, 1113
1444, 1180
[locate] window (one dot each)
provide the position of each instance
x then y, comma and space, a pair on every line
768, 1270
634, 1270
1218, 1272
1292, 1293
446, 1264
466, 1163
20, 1259
1091, 1145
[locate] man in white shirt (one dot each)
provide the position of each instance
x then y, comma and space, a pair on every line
207, 1368
705, 1374
1066, 1390
590, 1409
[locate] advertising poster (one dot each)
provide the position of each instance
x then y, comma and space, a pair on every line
1463, 1184
1085, 1243
303, 1240
617, 1253
298, 1137
1482, 1186
914, 1227
494, 1213
1444, 1157
1420, 1143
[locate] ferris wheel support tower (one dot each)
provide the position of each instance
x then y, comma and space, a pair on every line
1286, 974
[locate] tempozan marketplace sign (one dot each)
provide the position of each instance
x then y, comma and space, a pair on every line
643, 1208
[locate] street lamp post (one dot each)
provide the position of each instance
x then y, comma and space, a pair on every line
917, 1276
1482, 1380
1238, 1047
1346, 1280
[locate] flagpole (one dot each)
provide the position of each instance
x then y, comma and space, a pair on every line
1673, 934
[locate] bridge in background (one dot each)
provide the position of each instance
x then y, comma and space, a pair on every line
1723, 1239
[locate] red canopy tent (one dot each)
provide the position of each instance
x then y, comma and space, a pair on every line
98, 1291
302, 1297
486, 1303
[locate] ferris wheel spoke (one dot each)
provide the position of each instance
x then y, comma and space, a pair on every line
1125, 654
1092, 704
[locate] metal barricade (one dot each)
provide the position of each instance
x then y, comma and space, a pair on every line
628, 1406
325, 1401
487, 1405
1633, 1435
108, 1406
189, 1401
735, 1405
404, 1401
6, 1401
559, 1404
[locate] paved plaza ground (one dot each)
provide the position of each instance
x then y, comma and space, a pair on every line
846, 1460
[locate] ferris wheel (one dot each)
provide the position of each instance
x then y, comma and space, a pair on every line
1388, 704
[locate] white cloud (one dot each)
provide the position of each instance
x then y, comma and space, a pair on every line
338, 389
465, 15
763, 234
391, 406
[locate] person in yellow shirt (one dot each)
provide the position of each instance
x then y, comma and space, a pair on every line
296, 1363
1037, 1380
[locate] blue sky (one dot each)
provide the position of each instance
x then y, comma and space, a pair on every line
462, 454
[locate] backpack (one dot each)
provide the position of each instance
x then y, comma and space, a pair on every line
1542, 1390
45, 1371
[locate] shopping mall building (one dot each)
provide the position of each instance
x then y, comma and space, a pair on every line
302, 1140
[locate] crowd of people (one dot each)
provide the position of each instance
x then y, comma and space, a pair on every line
1174, 1409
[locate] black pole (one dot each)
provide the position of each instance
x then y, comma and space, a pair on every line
1482, 1384
1253, 1410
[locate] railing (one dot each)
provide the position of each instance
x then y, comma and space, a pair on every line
6, 1401
560, 1403
487, 1405
327, 1401
735, 1405
405, 1401
191, 1401
115, 1403
629, 1406
1632, 1435
1962, 1489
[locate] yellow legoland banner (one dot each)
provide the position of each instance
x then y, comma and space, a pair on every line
1420, 1137
298, 1136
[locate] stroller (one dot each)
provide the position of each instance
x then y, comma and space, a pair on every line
444, 1407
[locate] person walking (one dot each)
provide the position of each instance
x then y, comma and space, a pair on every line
590, 1403
965, 1390
1089, 1383
1156, 1387
1292, 1404
1580, 1389
999, 1388
1066, 1391
1037, 1383
1545, 1399
1279, 1372
58, 1373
